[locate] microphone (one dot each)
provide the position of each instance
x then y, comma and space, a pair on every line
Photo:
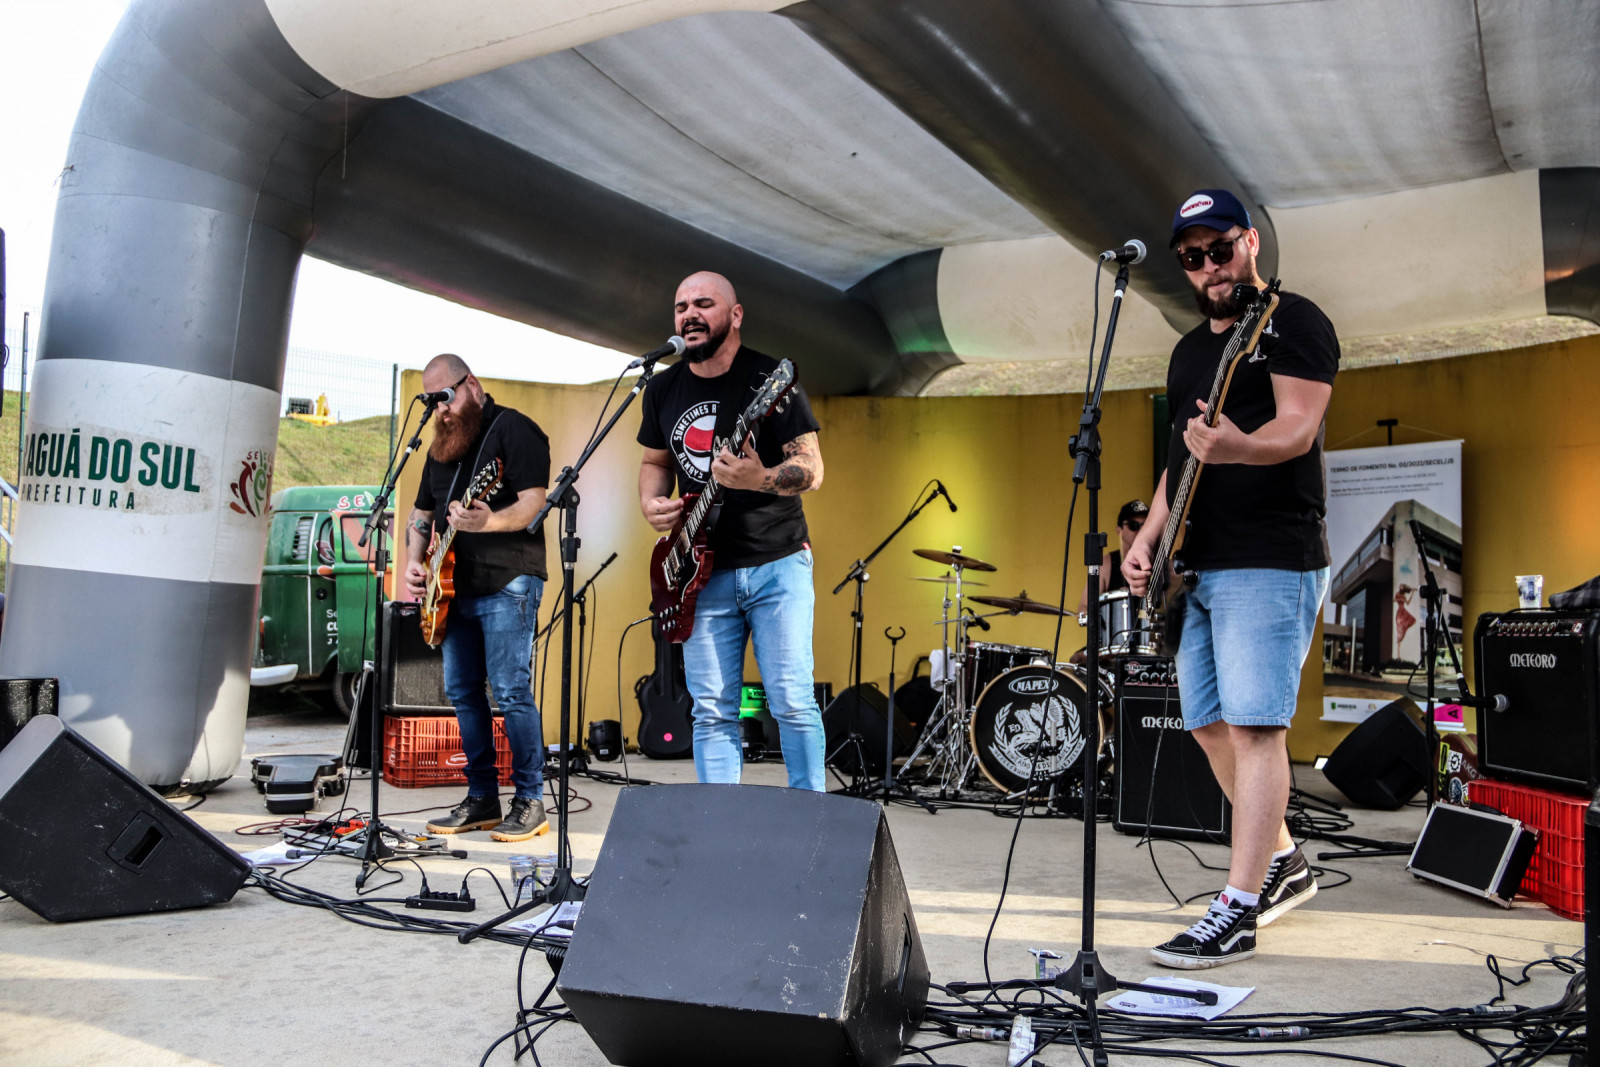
942, 491
1498, 702
1132, 252
673, 347
433, 400
974, 620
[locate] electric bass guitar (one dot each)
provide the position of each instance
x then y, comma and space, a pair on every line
442, 560
680, 564
1163, 604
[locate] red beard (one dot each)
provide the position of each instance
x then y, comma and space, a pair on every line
452, 439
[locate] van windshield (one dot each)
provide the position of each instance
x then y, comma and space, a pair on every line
351, 526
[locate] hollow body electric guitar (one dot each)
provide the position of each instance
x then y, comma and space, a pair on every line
680, 564
442, 560
1163, 604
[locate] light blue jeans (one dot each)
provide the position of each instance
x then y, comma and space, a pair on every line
772, 605
1245, 637
490, 639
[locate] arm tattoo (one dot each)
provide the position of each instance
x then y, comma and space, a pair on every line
422, 526
797, 473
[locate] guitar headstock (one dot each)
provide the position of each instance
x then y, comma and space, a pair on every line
485, 481
772, 391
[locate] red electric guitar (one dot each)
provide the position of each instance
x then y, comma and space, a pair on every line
680, 564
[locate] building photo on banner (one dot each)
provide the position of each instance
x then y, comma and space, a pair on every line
1375, 615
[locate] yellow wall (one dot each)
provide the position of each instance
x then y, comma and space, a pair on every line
1531, 454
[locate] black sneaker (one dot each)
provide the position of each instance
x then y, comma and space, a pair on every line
1289, 884
1227, 934
526, 820
473, 813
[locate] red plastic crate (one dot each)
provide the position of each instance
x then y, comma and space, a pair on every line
1556, 874
426, 750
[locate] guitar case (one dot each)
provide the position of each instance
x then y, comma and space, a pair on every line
666, 727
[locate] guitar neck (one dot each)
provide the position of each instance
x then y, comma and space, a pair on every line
712, 492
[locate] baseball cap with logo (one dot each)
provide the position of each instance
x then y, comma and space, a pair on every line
1215, 208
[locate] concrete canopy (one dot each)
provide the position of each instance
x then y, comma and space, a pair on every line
895, 186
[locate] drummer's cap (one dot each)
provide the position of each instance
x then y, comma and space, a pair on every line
1215, 208
1133, 509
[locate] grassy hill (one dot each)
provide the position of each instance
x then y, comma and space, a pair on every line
350, 453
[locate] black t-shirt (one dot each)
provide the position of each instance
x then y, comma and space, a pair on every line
1251, 516
485, 562
680, 416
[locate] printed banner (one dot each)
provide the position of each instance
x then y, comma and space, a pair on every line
145, 471
1374, 617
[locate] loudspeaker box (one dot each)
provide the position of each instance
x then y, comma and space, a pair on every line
727, 925
866, 708
81, 838
1384, 762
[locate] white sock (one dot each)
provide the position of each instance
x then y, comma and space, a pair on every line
1249, 900
1284, 853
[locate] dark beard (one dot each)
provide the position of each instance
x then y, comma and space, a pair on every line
706, 349
1229, 307
451, 440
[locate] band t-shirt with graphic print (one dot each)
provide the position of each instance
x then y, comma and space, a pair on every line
680, 416
1242, 515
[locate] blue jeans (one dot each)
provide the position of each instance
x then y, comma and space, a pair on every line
490, 639
771, 604
1245, 637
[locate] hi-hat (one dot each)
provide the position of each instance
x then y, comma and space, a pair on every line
948, 579
1019, 603
954, 559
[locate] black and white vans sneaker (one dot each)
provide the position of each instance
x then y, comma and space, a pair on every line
1289, 884
1227, 934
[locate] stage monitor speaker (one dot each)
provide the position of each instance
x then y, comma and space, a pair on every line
1474, 851
1164, 783
1384, 762
866, 709
21, 699
1546, 664
81, 838
734, 924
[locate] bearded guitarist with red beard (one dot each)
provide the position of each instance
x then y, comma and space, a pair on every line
760, 589
499, 580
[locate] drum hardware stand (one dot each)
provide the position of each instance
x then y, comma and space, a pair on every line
892, 788
943, 734
564, 495
859, 785
376, 842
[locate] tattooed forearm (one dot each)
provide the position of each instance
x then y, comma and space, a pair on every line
787, 480
800, 471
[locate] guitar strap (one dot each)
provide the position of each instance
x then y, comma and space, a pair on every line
736, 389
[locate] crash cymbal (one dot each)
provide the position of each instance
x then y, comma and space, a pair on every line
949, 580
1018, 603
954, 559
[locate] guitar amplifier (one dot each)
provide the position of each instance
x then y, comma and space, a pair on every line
1164, 783
1546, 663
411, 676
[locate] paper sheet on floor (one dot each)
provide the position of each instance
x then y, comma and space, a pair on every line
274, 855
552, 922
1141, 1003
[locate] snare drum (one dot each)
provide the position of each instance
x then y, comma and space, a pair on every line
1121, 630
986, 662
1028, 728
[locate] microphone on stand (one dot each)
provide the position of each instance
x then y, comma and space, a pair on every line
1132, 252
942, 491
974, 620
433, 400
674, 347
1498, 702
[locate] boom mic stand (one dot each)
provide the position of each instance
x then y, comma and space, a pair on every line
369, 844
859, 785
564, 495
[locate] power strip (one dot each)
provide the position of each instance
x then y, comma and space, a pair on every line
431, 901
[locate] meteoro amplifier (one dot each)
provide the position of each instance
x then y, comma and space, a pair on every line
1544, 663
1164, 784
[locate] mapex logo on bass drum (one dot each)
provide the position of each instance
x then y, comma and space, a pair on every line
1030, 686
1545, 661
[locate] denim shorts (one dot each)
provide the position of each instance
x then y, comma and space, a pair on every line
1245, 638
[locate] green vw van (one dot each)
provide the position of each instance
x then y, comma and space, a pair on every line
316, 591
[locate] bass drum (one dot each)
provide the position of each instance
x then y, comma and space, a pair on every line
1029, 727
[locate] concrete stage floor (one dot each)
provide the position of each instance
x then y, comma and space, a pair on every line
256, 981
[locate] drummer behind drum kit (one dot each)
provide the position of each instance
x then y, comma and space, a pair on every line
1006, 711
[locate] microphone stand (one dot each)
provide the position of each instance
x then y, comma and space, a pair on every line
369, 844
859, 786
564, 495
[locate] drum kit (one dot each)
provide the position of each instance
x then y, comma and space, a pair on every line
1008, 713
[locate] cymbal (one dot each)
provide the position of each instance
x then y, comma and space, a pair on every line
1019, 603
954, 559
948, 580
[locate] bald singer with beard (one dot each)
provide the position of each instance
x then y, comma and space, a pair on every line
499, 581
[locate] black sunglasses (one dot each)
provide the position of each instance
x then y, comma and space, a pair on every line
1221, 252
